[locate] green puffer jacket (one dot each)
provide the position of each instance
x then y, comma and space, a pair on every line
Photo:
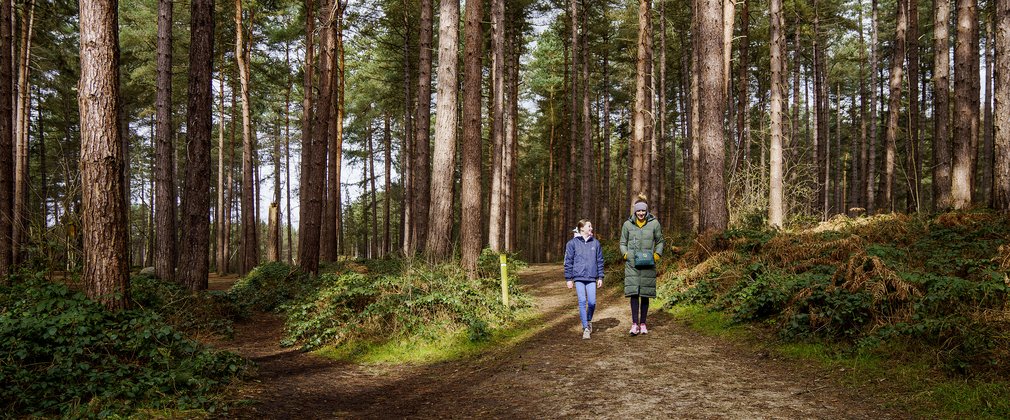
649, 237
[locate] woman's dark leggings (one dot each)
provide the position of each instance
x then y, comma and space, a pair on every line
638, 302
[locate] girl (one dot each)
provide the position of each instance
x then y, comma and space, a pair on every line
584, 272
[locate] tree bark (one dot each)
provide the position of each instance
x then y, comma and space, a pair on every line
914, 162
439, 244
165, 257
422, 165
643, 102
743, 100
373, 243
6, 140
21, 131
942, 198
497, 213
470, 188
194, 264
407, 151
984, 193
103, 206
776, 209
1001, 113
714, 215
387, 138
222, 214
588, 159
966, 92
287, 158
250, 242
894, 106
871, 163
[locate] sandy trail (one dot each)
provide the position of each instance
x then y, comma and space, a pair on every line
670, 373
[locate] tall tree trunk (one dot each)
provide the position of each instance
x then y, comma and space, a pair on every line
667, 189
588, 159
337, 130
984, 193
894, 106
743, 101
966, 92
232, 194
273, 213
387, 151
776, 207
308, 97
328, 246
871, 163
6, 140
103, 206
643, 103
694, 193
511, 136
497, 213
820, 119
712, 191
470, 188
728, 19
913, 160
942, 198
165, 257
314, 153
287, 159
373, 247
21, 130
407, 151
605, 120
858, 195
1001, 114
422, 165
439, 245
194, 264
222, 214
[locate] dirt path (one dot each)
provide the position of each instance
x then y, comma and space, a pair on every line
670, 373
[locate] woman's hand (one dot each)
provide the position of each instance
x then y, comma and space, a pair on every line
570, 284
655, 256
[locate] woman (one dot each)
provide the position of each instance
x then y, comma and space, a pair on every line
642, 245
584, 272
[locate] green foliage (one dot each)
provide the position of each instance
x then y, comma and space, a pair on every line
66, 355
269, 286
209, 313
937, 284
417, 303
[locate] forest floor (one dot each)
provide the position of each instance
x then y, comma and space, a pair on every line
673, 372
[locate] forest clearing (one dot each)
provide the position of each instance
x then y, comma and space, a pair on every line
356, 208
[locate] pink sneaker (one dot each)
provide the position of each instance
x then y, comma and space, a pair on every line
634, 329
642, 329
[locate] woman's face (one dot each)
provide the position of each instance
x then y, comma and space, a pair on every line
587, 229
640, 214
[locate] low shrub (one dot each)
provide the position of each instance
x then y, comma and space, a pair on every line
420, 302
938, 284
65, 355
269, 286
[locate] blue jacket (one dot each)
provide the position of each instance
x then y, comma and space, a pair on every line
583, 259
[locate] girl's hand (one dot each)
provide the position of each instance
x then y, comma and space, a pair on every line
599, 283
570, 284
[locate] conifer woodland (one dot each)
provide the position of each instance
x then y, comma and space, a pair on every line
829, 171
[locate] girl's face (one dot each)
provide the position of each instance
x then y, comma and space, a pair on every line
587, 229
640, 214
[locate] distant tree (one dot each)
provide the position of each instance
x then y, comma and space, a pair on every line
497, 213
103, 206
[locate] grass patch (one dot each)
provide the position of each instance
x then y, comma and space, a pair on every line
708, 322
430, 348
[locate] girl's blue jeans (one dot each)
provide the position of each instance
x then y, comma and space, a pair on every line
587, 300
